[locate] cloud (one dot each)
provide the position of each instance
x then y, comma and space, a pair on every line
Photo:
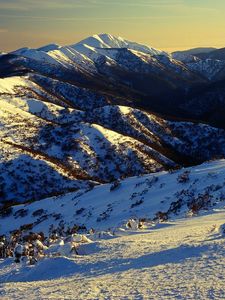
145, 3
31, 5
26, 5
97, 19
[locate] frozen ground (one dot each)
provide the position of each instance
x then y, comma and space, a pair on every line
182, 259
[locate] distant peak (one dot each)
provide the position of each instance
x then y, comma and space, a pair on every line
49, 47
106, 40
107, 36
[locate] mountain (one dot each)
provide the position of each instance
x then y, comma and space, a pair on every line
50, 47
195, 51
209, 67
214, 54
127, 72
86, 140
108, 41
88, 113
108, 149
140, 73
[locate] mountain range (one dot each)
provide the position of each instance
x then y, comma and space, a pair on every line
105, 109
112, 172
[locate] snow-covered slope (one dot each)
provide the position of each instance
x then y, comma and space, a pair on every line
49, 47
82, 136
178, 252
155, 197
81, 148
208, 68
182, 259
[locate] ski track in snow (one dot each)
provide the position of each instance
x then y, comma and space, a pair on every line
182, 259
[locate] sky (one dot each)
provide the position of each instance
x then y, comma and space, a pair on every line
165, 24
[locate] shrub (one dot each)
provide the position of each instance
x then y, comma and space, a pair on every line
21, 213
115, 185
26, 227
6, 212
79, 211
184, 177
38, 212
137, 203
161, 216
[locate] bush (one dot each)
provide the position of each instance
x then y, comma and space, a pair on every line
201, 202
137, 203
79, 211
115, 185
161, 216
6, 212
38, 212
21, 213
27, 227
184, 177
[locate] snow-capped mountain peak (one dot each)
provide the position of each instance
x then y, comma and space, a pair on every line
109, 41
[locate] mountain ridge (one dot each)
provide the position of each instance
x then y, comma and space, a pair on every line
88, 115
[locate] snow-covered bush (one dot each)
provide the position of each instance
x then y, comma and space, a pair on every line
184, 177
137, 203
161, 216
202, 201
115, 185
21, 213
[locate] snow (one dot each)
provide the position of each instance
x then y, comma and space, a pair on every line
125, 109
69, 56
38, 55
208, 68
10, 108
181, 259
110, 41
10, 84
136, 197
179, 253
49, 47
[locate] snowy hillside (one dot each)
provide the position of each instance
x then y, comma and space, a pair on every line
81, 134
179, 250
155, 197
180, 259
208, 68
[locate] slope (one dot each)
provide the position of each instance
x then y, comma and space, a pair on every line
155, 197
182, 259
87, 136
